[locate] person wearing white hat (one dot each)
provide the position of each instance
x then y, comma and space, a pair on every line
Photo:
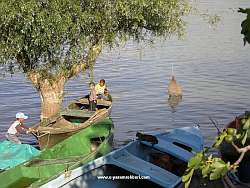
17, 127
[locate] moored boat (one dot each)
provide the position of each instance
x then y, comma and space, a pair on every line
154, 160
82, 147
71, 120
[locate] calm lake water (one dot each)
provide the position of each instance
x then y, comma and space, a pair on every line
211, 64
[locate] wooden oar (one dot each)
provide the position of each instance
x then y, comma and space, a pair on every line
96, 115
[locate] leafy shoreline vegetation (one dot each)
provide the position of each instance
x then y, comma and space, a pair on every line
213, 167
245, 25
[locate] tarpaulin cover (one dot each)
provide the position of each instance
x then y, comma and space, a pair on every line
13, 154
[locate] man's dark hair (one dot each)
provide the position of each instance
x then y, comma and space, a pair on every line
102, 80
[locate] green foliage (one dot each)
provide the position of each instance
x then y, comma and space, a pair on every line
219, 139
244, 129
187, 177
217, 169
193, 164
50, 36
246, 125
213, 167
244, 137
195, 161
245, 25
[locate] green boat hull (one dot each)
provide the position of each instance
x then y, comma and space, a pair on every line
80, 148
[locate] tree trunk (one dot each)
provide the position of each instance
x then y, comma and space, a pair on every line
51, 90
51, 93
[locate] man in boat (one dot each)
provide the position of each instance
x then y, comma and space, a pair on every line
92, 97
100, 87
17, 127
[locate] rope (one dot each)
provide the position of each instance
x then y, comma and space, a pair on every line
172, 72
48, 141
45, 132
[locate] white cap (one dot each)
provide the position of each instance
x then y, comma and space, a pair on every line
21, 115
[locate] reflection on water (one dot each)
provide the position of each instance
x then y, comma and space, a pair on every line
173, 101
211, 65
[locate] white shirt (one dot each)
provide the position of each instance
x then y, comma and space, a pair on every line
12, 129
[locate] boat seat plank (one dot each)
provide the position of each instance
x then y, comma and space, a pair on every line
138, 166
185, 136
99, 102
77, 113
171, 149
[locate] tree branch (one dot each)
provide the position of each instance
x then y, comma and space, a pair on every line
76, 69
34, 78
85, 62
236, 147
242, 152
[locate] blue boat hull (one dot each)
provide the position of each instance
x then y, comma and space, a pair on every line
139, 163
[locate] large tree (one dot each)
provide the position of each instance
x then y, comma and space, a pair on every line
51, 41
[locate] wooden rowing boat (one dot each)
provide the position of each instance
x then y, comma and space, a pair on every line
155, 160
71, 120
82, 147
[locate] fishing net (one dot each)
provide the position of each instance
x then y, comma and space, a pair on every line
13, 154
